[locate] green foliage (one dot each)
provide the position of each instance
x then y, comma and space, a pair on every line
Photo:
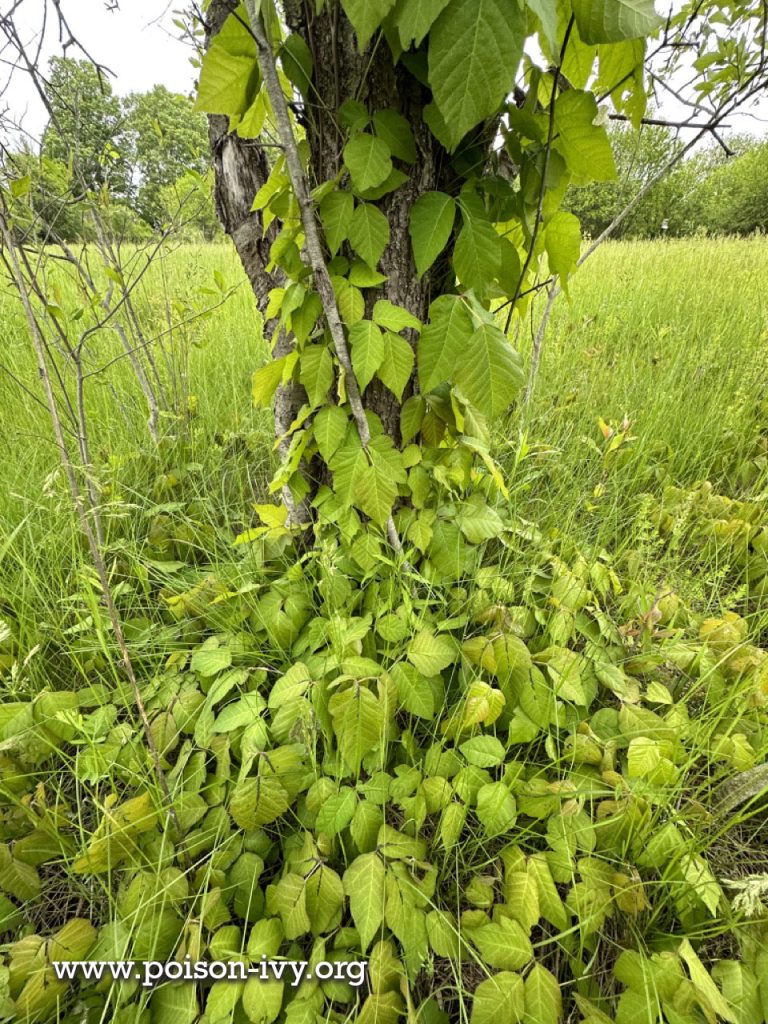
473, 753
166, 144
323, 800
733, 198
474, 50
85, 127
431, 225
468, 372
603, 21
430, 776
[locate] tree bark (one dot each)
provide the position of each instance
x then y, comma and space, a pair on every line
240, 169
340, 72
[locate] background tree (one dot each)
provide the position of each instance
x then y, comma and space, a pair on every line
165, 138
437, 166
86, 126
640, 156
189, 199
734, 198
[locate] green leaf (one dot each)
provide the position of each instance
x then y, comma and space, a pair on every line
306, 316
395, 845
411, 417
397, 365
369, 233
477, 521
622, 77
496, 808
366, 16
337, 812
475, 48
394, 318
365, 825
262, 999
442, 340
430, 654
414, 20
452, 824
20, 186
396, 132
368, 160
521, 895
497, 999
543, 999
583, 144
611, 21
288, 899
431, 224
376, 493
489, 371
546, 12
336, 217
643, 757
562, 239
413, 691
353, 115
707, 989
503, 944
297, 62
210, 660
325, 899
390, 184
22, 881
363, 276
367, 344
349, 300
364, 883
228, 82
266, 380
348, 466
358, 722
330, 427
257, 802
477, 254
316, 373
483, 751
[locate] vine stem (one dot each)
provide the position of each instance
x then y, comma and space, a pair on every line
313, 244
545, 170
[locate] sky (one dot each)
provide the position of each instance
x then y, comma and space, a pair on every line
140, 44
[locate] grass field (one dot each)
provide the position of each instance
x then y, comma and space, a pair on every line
638, 485
671, 336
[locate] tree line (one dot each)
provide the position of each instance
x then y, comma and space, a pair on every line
719, 190
143, 157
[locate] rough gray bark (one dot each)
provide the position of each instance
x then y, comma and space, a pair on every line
240, 169
340, 73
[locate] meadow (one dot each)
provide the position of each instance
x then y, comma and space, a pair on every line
638, 486
670, 337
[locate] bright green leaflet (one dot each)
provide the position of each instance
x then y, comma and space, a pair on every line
475, 47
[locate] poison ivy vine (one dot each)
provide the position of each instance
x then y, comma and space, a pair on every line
386, 745
511, 134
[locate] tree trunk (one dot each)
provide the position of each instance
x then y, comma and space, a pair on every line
240, 169
340, 72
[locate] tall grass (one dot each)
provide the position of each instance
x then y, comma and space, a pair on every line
671, 336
